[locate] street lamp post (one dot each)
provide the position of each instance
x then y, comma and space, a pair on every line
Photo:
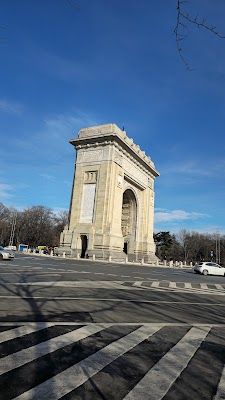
13, 229
217, 248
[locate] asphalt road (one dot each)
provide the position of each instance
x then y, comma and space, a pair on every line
52, 289
92, 330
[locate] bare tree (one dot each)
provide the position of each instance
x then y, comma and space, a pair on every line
182, 28
6, 219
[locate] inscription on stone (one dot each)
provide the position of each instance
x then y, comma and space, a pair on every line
88, 202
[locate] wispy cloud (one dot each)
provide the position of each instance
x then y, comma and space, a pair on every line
177, 215
5, 190
11, 107
48, 177
207, 229
194, 168
53, 135
67, 123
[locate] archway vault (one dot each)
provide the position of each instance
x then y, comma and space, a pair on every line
129, 215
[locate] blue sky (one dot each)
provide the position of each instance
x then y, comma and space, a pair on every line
64, 68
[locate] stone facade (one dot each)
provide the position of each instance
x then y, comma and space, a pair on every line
112, 202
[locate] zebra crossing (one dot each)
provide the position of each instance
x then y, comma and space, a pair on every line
128, 361
200, 288
187, 287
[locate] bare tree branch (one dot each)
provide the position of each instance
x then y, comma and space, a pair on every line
183, 19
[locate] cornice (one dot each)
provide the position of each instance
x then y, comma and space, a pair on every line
134, 154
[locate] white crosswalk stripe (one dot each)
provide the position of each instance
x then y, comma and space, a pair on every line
21, 331
187, 287
154, 382
170, 367
81, 372
27, 355
220, 394
178, 287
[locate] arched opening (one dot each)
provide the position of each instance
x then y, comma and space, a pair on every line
125, 247
129, 218
84, 241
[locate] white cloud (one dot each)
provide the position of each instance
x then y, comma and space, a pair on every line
50, 141
177, 215
10, 107
4, 190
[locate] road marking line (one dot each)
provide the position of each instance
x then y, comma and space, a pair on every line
220, 287
184, 290
78, 374
220, 394
173, 285
25, 356
77, 284
155, 284
109, 324
188, 285
21, 331
170, 366
119, 300
138, 283
204, 286
152, 279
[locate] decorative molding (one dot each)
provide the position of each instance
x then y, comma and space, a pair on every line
151, 183
97, 155
120, 181
92, 155
90, 176
118, 159
133, 160
100, 131
152, 200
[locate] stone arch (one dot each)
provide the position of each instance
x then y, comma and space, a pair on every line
129, 217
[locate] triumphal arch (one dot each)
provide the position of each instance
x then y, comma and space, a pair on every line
112, 201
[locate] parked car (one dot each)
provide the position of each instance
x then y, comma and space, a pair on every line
209, 268
13, 248
45, 251
6, 254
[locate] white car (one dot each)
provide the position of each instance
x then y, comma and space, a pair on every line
209, 268
6, 254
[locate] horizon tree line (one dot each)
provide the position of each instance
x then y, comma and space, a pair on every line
36, 225
39, 225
